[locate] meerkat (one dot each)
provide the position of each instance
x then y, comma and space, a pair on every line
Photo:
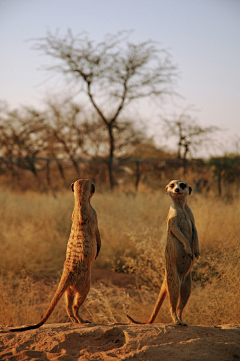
83, 247
182, 247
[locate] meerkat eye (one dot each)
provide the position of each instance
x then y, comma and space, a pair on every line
172, 185
183, 185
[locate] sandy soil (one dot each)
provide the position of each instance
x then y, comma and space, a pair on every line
122, 342
155, 342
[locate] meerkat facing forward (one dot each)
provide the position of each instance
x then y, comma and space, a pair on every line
83, 247
182, 248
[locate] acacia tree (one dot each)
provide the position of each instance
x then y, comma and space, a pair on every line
226, 169
189, 134
22, 137
112, 73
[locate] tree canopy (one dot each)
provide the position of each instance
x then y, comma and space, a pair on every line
112, 73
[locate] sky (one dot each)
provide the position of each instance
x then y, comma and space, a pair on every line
203, 37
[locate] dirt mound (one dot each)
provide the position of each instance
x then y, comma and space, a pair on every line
122, 342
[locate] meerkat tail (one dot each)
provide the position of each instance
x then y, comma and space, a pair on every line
161, 298
60, 291
136, 322
25, 328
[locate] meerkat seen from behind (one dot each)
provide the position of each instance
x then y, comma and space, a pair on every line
182, 247
83, 247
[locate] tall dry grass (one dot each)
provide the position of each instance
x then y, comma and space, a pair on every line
34, 230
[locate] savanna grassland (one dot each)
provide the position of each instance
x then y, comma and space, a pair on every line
34, 230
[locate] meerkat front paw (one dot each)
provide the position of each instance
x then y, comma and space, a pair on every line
189, 252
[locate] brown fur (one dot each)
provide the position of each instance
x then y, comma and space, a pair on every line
83, 247
181, 248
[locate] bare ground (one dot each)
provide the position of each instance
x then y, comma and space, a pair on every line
154, 342
122, 342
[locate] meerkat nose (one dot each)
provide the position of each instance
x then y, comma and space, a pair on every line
176, 190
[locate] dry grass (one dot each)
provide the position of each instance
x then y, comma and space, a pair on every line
34, 230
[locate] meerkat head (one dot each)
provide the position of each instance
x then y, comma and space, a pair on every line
178, 189
83, 188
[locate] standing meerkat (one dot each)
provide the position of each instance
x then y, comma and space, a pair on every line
182, 248
83, 247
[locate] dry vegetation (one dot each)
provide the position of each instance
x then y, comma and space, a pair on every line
34, 230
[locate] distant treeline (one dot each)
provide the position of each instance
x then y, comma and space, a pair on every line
219, 175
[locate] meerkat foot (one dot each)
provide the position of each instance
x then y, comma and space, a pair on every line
81, 320
180, 323
177, 320
73, 319
85, 321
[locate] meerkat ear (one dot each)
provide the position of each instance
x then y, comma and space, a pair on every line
190, 190
93, 188
72, 187
166, 189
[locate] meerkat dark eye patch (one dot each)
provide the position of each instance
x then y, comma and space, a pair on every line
172, 185
183, 185
93, 188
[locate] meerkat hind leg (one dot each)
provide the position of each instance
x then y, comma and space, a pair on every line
79, 299
70, 294
185, 292
173, 283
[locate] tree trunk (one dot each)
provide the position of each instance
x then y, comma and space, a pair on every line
31, 163
111, 154
138, 175
61, 171
219, 182
179, 150
75, 164
48, 173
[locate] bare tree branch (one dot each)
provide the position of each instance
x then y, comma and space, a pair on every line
112, 73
